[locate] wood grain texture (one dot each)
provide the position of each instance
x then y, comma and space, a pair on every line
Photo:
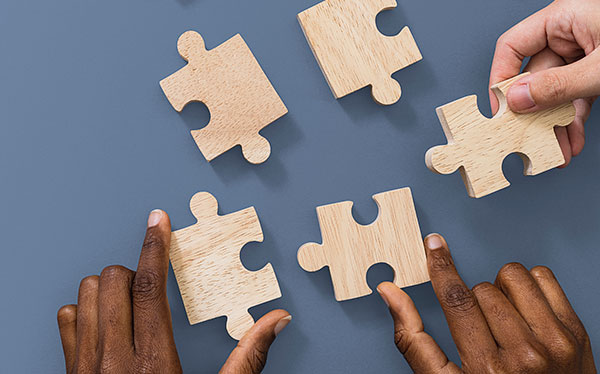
478, 145
351, 51
350, 249
206, 262
238, 94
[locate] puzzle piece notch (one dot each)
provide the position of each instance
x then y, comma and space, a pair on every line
351, 51
238, 94
207, 265
349, 249
478, 145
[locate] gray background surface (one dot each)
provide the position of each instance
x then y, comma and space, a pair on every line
90, 145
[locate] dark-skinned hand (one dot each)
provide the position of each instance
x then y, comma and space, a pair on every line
122, 320
521, 324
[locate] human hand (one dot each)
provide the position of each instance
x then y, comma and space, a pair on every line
122, 320
521, 324
563, 41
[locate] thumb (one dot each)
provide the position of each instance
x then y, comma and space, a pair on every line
419, 349
555, 86
250, 355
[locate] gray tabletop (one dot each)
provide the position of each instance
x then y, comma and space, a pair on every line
90, 145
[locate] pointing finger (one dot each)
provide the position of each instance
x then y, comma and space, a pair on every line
151, 311
466, 321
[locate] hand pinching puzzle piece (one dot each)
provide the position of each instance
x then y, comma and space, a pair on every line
350, 249
238, 94
351, 51
478, 145
206, 262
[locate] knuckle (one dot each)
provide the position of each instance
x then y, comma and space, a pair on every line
146, 287
109, 365
554, 86
258, 359
532, 360
458, 297
510, 272
255, 358
402, 340
584, 340
115, 361
501, 41
440, 260
564, 348
67, 314
153, 241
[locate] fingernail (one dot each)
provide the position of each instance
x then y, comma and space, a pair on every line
383, 297
519, 97
282, 324
434, 241
155, 217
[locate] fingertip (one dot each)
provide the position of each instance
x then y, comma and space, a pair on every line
542, 272
271, 323
393, 296
434, 242
519, 97
384, 289
282, 323
159, 218
67, 314
562, 136
576, 133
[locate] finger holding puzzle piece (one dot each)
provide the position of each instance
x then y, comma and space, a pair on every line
478, 145
206, 262
350, 249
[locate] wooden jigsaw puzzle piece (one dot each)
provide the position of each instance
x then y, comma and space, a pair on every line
207, 265
461, 120
350, 249
478, 145
351, 51
238, 94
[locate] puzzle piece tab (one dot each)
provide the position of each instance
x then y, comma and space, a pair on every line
238, 94
478, 145
206, 262
350, 249
351, 51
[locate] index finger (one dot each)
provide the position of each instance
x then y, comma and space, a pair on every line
523, 40
151, 312
466, 321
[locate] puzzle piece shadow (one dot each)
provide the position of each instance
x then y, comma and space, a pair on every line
186, 2
231, 166
416, 80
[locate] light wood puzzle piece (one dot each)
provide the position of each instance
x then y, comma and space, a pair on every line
206, 262
350, 249
351, 51
238, 94
479, 145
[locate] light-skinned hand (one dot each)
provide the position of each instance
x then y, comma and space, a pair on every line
122, 320
523, 323
563, 41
